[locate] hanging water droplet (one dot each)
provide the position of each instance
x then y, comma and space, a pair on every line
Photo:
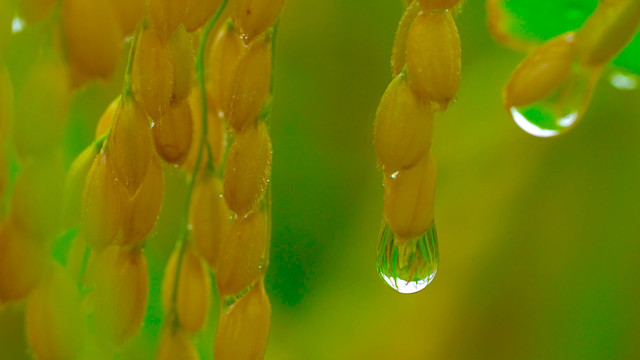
408, 266
549, 91
561, 109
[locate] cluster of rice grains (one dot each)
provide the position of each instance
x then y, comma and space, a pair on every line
551, 89
216, 128
31, 129
246, 105
425, 63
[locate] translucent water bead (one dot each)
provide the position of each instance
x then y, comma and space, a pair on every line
408, 266
549, 91
559, 111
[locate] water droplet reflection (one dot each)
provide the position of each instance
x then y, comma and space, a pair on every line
408, 266
561, 109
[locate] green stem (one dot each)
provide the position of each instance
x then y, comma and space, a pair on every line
85, 263
126, 88
210, 166
97, 143
181, 244
225, 156
127, 91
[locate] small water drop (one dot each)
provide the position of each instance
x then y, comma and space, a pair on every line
17, 25
624, 81
408, 266
561, 109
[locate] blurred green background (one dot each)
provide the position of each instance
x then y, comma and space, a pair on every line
539, 238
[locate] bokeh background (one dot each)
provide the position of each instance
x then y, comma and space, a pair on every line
539, 238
